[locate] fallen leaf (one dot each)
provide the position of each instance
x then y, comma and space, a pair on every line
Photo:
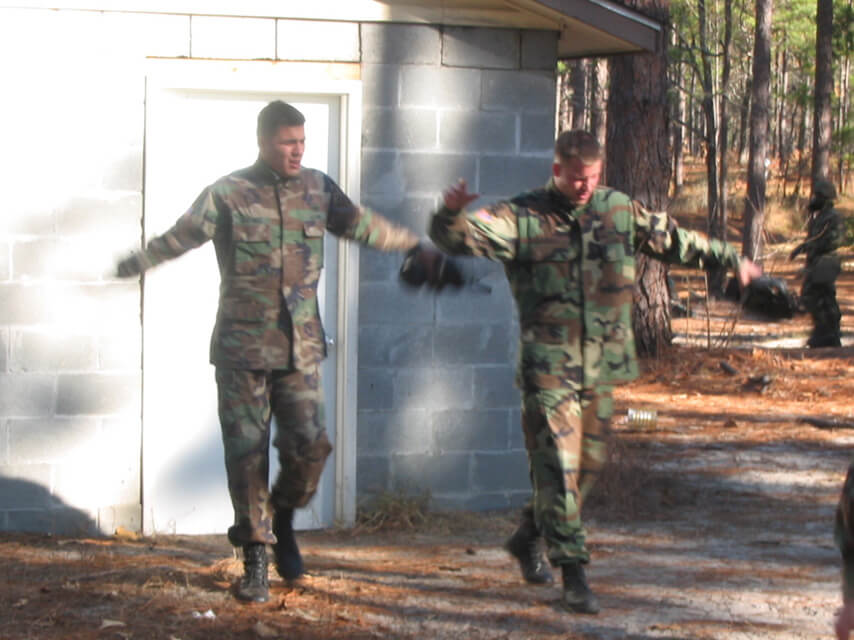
106, 623
263, 631
126, 534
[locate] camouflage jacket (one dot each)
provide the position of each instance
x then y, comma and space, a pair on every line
571, 270
268, 236
844, 533
825, 233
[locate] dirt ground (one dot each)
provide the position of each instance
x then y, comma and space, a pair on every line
715, 523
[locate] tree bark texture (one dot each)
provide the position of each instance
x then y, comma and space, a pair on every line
639, 164
823, 89
754, 210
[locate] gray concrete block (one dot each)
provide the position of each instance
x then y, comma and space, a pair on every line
123, 437
481, 131
379, 267
385, 345
472, 430
317, 40
376, 389
50, 440
382, 174
128, 516
123, 171
417, 473
517, 435
27, 394
390, 128
25, 486
472, 344
515, 90
115, 213
413, 212
380, 85
480, 48
466, 306
433, 172
432, 388
502, 471
372, 476
5, 261
50, 351
120, 352
4, 350
58, 521
98, 394
37, 218
494, 386
539, 49
384, 303
509, 175
537, 133
400, 43
232, 38
388, 432
24, 303
440, 87
468, 502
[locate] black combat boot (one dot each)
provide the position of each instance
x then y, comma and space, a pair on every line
285, 551
577, 596
524, 546
254, 585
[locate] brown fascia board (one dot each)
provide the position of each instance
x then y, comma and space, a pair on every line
601, 27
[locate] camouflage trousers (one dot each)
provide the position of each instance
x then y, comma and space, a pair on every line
565, 435
819, 299
248, 400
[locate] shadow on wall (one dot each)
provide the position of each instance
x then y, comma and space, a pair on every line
29, 507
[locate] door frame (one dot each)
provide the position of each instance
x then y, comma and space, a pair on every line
336, 80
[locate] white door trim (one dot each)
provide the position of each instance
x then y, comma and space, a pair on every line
341, 80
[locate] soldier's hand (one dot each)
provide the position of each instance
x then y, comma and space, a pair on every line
747, 271
457, 196
427, 266
128, 266
797, 250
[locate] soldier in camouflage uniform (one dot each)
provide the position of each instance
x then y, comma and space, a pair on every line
825, 234
568, 253
844, 535
267, 224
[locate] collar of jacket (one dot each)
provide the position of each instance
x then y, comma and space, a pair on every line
267, 175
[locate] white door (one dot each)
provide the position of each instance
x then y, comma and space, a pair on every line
193, 137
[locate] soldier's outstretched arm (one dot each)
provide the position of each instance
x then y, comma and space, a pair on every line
194, 228
658, 235
490, 232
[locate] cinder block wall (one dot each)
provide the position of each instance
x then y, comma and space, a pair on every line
438, 410
437, 406
72, 131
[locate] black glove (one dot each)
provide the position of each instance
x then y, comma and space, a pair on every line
423, 266
129, 266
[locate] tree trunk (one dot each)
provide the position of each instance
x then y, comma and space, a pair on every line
578, 77
823, 89
564, 112
599, 101
743, 118
754, 211
717, 276
678, 136
639, 164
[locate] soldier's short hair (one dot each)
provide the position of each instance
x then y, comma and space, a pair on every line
278, 114
578, 144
